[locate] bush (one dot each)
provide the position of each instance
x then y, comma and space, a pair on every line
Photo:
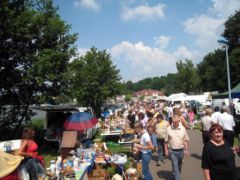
38, 125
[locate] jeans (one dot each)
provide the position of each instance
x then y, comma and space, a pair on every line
176, 156
146, 157
160, 145
32, 168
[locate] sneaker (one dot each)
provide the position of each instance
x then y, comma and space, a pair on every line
163, 161
158, 163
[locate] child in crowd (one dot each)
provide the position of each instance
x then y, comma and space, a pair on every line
191, 116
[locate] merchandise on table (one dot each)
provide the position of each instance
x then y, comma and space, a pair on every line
73, 165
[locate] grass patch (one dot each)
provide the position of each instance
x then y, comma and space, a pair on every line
119, 149
198, 126
48, 158
38, 123
236, 141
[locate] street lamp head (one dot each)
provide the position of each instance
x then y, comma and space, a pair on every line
223, 41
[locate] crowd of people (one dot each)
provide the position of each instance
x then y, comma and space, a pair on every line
164, 130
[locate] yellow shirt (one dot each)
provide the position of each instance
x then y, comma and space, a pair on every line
161, 129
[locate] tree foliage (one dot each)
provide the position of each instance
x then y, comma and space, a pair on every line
163, 83
35, 47
93, 79
232, 31
232, 34
212, 71
234, 66
187, 79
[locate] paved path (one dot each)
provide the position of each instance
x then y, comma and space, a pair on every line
191, 166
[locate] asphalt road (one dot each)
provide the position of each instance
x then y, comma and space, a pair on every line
192, 165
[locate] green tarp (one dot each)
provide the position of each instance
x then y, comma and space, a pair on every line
235, 92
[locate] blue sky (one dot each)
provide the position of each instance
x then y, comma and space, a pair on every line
146, 37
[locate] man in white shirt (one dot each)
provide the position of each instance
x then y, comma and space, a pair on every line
227, 122
216, 115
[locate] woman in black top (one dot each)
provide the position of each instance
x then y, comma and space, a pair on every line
218, 160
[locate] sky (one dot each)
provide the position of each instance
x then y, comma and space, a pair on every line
146, 38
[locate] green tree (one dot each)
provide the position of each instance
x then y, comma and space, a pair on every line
157, 83
35, 47
232, 31
212, 71
169, 82
234, 66
93, 79
128, 97
144, 84
232, 34
163, 83
187, 79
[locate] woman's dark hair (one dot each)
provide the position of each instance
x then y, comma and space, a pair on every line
141, 116
159, 116
216, 109
27, 133
215, 127
149, 114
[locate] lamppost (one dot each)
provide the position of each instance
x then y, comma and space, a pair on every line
225, 43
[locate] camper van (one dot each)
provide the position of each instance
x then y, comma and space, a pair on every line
57, 114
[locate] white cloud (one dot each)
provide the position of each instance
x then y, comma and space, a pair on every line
82, 51
90, 4
143, 12
183, 53
224, 8
206, 29
137, 61
162, 41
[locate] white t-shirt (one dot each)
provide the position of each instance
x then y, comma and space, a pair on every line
227, 122
216, 117
143, 141
144, 121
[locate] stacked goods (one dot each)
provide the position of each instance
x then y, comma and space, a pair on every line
99, 146
98, 174
129, 131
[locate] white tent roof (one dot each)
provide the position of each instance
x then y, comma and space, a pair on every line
176, 96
